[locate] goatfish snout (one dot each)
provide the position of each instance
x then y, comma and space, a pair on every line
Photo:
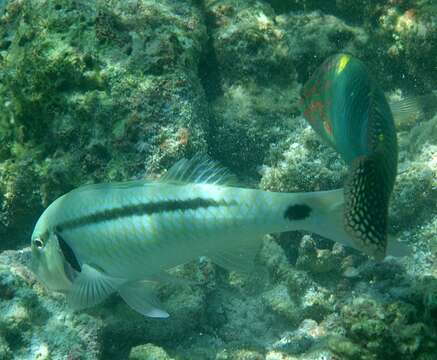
348, 109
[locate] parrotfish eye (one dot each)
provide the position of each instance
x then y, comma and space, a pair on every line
38, 243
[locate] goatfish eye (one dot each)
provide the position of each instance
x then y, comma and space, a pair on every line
38, 243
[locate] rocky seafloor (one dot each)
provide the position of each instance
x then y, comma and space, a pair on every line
103, 90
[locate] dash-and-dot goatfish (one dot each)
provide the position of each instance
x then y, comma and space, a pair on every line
122, 237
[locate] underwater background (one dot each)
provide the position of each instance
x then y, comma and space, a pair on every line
101, 91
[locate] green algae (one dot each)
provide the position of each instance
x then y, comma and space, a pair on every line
32, 324
148, 352
376, 330
68, 82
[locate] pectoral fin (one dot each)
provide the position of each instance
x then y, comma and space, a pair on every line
408, 110
139, 295
91, 287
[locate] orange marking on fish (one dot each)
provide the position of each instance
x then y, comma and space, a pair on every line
308, 115
328, 127
315, 108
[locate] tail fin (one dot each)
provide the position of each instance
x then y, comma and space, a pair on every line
328, 217
329, 221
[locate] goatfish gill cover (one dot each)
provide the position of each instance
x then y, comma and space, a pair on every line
120, 238
348, 109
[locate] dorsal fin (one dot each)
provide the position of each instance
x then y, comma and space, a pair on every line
200, 169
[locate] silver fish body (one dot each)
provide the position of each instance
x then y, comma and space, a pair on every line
140, 228
100, 239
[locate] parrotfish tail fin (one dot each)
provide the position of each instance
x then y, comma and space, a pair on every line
406, 111
366, 205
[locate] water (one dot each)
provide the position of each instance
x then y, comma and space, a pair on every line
105, 91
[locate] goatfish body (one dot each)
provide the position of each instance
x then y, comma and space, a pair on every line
121, 237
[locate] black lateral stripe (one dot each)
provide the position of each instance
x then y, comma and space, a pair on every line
142, 209
297, 212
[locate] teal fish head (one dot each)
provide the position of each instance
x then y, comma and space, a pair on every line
317, 100
348, 109
48, 262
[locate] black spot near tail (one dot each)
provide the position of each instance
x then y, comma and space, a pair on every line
297, 212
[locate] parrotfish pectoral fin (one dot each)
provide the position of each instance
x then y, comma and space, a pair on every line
91, 287
239, 258
406, 110
411, 108
366, 205
139, 295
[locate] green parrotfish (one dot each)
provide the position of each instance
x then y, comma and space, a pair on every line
345, 105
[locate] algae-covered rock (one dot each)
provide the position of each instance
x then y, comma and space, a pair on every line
148, 352
318, 260
33, 320
240, 355
301, 339
34, 324
376, 330
303, 163
281, 303
407, 34
256, 81
20, 203
125, 328
93, 91
5, 350
259, 57
415, 194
